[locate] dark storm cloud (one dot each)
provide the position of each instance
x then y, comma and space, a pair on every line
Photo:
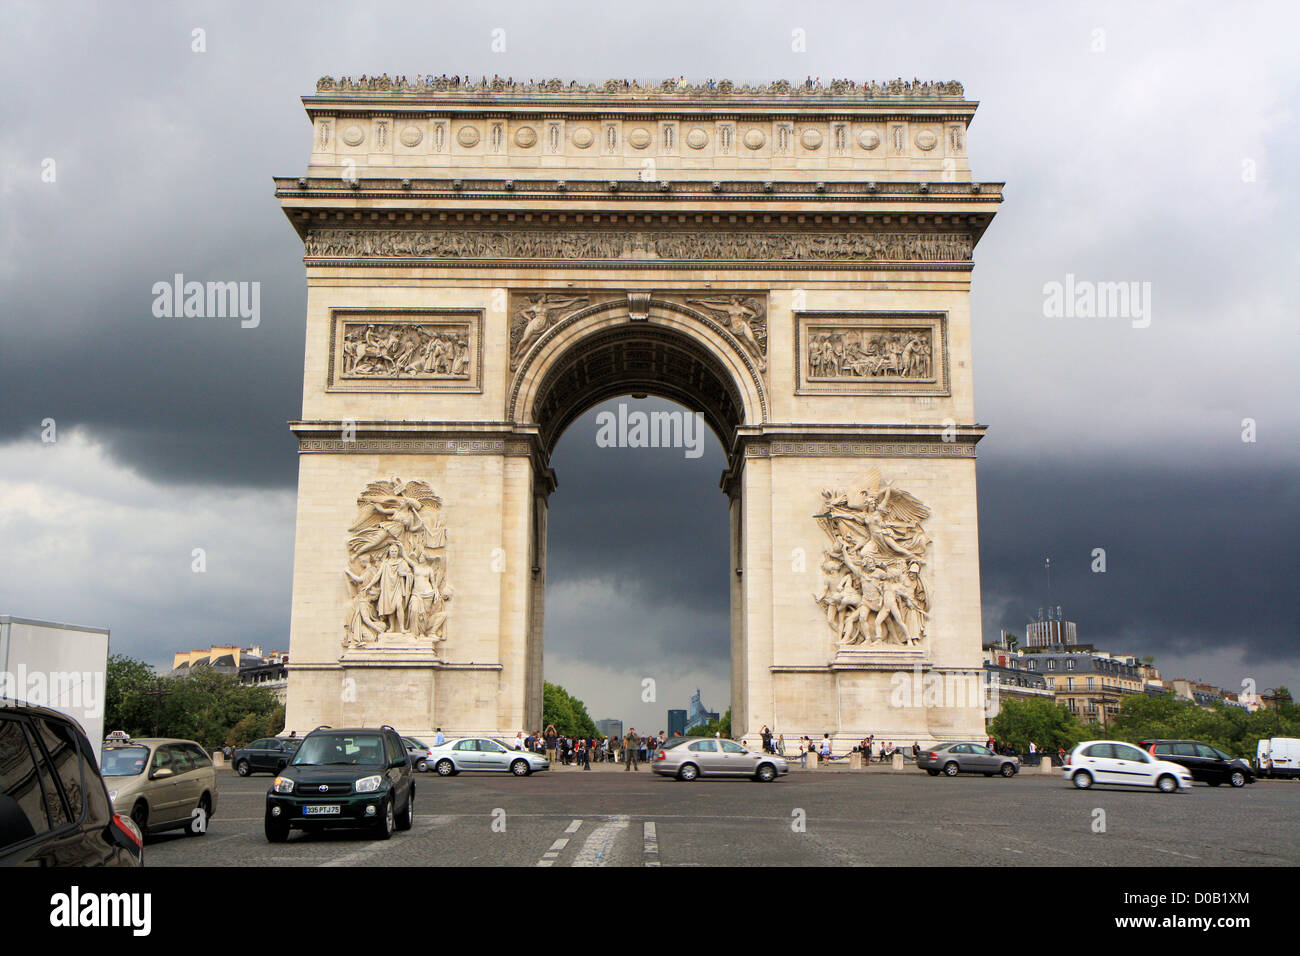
1208, 567
648, 527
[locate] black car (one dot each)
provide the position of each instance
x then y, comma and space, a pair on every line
1207, 764
54, 807
268, 755
358, 777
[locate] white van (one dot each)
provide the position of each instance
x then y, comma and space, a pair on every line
1278, 757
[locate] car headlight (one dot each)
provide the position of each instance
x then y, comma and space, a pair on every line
369, 784
283, 785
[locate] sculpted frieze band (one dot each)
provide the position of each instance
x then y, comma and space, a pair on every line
638, 245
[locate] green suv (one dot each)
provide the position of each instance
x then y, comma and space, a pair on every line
356, 777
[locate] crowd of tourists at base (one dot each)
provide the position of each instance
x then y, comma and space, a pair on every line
633, 749
571, 750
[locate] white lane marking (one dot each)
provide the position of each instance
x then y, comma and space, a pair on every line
595, 849
373, 850
651, 840
549, 857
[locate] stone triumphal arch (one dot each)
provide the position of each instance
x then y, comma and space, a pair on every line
487, 261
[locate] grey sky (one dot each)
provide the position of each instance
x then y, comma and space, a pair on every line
1162, 158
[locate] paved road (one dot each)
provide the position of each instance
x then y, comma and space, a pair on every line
570, 818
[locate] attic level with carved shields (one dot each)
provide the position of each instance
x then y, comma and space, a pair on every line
487, 260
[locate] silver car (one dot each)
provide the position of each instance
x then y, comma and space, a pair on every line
955, 756
483, 753
689, 757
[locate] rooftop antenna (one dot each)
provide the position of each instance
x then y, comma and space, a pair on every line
1048, 565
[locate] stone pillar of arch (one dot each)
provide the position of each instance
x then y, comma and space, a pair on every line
795, 265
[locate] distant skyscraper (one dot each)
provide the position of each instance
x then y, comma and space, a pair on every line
698, 714
676, 722
610, 727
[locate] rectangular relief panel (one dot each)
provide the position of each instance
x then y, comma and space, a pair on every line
405, 350
871, 353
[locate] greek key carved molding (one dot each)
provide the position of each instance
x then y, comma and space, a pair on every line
415, 446
859, 449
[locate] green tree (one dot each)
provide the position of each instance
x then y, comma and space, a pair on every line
566, 712
1048, 724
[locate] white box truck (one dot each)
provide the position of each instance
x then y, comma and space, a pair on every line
1278, 757
61, 666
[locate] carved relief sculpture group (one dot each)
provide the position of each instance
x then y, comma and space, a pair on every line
875, 592
870, 354
397, 568
405, 350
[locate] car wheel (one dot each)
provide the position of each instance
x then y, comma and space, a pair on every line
1238, 779
205, 813
951, 769
422, 765
407, 819
933, 773
766, 773
140, 817
1008, 770
243, 769
688, 771
1082, 780
277, 831
520, 768
385, 824
445, 768
1167, 784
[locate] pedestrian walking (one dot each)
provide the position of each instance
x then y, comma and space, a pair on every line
630, 744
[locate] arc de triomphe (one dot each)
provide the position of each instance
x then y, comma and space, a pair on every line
486, 262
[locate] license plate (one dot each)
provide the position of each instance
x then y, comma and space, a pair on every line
322, 810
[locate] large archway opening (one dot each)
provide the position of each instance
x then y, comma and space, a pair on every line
635, 612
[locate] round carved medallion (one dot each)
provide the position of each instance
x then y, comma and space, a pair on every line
868, 139
926, 140
754, 139
811, 139
411, 136
583, 137
467, 136
525, 137
353, 136
639, 137
697, 138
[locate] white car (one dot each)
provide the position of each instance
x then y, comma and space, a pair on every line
483, 754
1113, 763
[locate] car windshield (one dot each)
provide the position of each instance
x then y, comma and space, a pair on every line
675, 742
125, 761
341, 750
415, 741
